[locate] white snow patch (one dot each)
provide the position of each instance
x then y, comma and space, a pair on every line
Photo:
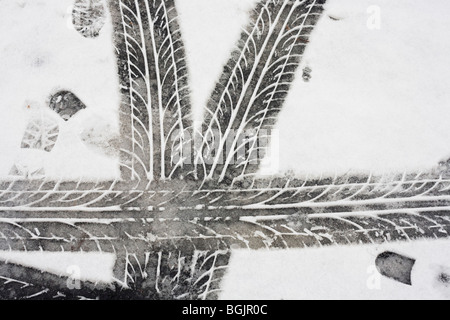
94, 267
40, 55
211, 30
335, 272
378, 100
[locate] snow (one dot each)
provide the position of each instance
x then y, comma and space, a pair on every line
336, 272
93, 266
377, 101
211, 29
41, 54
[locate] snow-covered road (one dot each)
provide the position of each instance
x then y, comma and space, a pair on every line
377, 101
